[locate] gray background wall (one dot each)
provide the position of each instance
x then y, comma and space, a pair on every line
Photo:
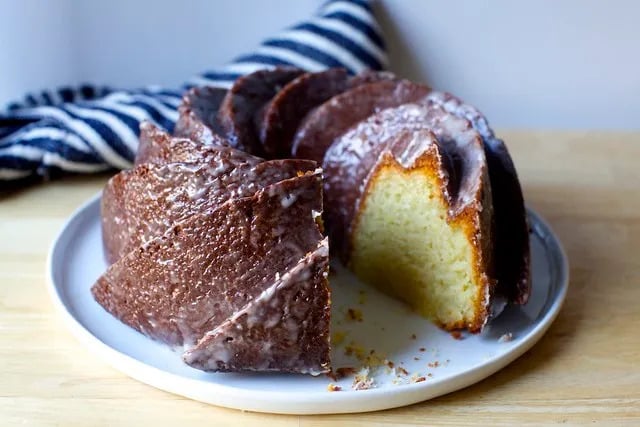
527, 64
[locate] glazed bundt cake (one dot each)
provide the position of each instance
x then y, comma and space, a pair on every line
215, 238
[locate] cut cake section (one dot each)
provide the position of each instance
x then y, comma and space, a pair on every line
286, 328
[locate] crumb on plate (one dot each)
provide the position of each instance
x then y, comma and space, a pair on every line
362, 380
401, 371
456, 335
416, 378
333, 387
354, 314
337, 337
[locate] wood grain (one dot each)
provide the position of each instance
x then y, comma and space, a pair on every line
585, 370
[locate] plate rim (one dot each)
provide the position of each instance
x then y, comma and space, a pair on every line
281, 402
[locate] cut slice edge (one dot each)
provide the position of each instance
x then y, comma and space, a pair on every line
286, 328
433, 261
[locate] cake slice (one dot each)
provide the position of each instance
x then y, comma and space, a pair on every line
179, 286
283, 329
409, 204
288, 107
242, 109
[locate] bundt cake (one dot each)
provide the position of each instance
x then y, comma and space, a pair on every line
216, 236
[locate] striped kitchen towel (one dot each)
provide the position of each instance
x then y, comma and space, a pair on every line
95, 128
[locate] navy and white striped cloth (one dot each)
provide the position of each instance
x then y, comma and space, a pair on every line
90, 128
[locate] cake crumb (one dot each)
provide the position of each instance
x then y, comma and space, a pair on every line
354, 314
373, 359
416, 358
506, 337
353, 349
401, 371
414, 336
362, 380
333, 387
415, 378
369, 358
433, 364
422, 349
457, 335
389, 363
337, 337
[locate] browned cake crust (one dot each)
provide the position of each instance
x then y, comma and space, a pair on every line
333, 118
241, 110
141, 204
512, 229
289, 106
370, 76
157, 146
294, 101
198, 114
284, 329
183, 284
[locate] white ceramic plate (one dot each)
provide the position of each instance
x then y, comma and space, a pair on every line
387, 327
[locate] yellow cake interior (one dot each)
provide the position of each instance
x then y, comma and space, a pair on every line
404, 244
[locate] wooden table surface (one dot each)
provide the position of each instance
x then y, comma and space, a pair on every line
585, 370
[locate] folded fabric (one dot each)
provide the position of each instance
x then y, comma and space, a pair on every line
91, 128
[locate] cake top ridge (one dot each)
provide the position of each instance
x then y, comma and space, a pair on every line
333, 118
157, 146
198, 114
242, 109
